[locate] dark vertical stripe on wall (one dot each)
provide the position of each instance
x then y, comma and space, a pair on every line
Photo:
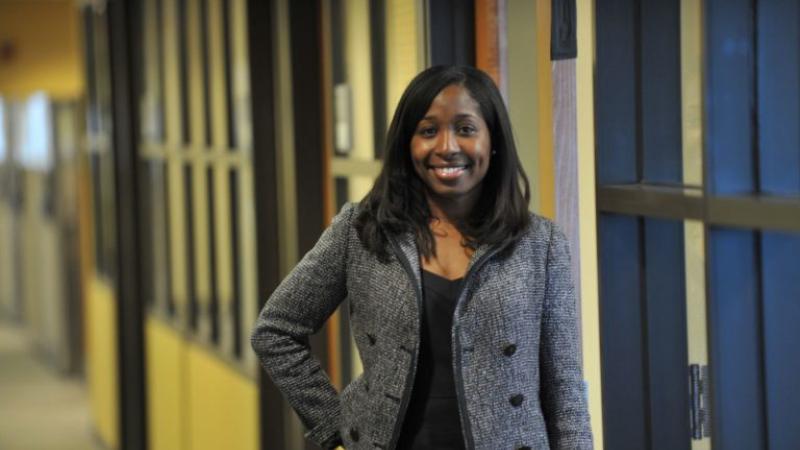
377, 27
90, 68
159, 4
666, 334
625, 410
123, 41
164, 181
229, 98
97, 210
191, 276
778, 53
260, 28
236, 304
145, 226
213, 301
737, 410
730, 97
337, 41
661, 92
781, 293
452, 32
183, 67
206, 63
616, 91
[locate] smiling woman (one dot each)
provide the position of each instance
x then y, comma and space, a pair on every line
451, 147
461, 302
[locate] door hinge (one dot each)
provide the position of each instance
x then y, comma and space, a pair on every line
699, 401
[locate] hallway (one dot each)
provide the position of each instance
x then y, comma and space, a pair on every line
39, 410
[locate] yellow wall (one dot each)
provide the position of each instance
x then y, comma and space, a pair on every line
224, 404
166, 397
45, 35
530, 101
102, 360
195, 400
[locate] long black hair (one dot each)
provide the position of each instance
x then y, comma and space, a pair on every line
397, 202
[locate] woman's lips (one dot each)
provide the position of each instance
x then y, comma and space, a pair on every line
448, 173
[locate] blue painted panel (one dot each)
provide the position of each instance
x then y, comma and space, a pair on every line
730, 96
781, 257
735, 342
615, 91
625, 403
661, 92
779, 96
666, 331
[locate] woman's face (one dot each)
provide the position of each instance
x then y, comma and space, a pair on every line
451, 146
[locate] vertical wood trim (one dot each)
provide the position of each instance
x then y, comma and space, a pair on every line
544, 86
487, 38
566, 158
588, 281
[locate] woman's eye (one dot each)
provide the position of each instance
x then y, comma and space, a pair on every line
466, 129
427, 132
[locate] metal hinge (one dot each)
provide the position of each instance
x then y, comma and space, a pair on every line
699, 401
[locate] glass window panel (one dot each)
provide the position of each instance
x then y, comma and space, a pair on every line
778, 66
737, 411
781, 297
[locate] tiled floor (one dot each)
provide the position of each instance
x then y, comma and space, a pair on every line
39, 410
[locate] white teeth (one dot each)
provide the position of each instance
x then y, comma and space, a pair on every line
449, 171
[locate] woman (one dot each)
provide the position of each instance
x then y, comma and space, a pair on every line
460, 300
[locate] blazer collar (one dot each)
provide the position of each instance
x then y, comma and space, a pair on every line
408, 248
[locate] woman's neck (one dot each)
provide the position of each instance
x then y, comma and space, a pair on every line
453, 210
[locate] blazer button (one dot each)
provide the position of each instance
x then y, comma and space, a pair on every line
510, 349
371, 339
354, 434
524, 447
516, 400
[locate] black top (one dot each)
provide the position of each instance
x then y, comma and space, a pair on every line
432, 420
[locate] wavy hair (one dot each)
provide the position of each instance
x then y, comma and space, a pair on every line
397, 201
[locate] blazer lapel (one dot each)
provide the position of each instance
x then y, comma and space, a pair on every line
406, 246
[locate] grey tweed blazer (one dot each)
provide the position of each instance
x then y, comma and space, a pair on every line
515, 342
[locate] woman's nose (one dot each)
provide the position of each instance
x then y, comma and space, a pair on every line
447, 142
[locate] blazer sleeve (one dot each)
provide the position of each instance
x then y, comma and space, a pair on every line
297, 309
562, 392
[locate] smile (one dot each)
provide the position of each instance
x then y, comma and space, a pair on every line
449, 172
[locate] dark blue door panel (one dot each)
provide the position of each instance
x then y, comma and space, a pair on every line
735, 341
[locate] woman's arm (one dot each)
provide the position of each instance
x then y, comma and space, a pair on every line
562, 392
297, 309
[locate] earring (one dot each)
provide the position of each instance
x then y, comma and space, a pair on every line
494, 152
